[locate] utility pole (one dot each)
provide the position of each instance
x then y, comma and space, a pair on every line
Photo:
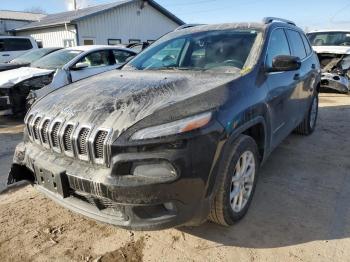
75, 4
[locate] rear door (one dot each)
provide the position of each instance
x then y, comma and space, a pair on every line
281, 86
98, 62
305, 78
10, 48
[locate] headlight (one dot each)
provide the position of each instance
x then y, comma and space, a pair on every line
173, 128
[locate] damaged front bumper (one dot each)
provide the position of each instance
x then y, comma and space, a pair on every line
5, 103
335, 82
130, 201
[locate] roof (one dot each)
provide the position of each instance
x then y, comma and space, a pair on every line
76, 15
86, 48
21, 16
329, 31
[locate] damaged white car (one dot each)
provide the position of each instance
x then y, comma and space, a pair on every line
56, 70
333, 50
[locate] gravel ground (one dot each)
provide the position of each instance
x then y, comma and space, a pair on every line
300, 211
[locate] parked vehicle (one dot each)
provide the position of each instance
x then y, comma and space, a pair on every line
178, 134
56, 70
14, 46
27, 58
333, 50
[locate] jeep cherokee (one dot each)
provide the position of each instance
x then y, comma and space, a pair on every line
179, 134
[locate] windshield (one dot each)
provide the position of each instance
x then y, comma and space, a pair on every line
330, 38
31, 56
56, 60
224, 50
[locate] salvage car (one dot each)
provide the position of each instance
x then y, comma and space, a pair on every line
56, 70
27, 58
14, 46
179, 134
333, 50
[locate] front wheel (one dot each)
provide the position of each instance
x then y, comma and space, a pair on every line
237, 182
308, 125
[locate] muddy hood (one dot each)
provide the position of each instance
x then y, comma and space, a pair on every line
341, 50
12, 77
118, 100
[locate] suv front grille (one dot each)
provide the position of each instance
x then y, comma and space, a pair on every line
69, 139
44, 132
36, 128
83, 141
99, 143
54, 134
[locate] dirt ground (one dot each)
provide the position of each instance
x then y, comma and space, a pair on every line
300, 211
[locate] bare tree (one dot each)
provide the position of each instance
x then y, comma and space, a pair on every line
35, 9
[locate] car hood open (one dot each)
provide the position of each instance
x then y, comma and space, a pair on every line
341, 50
12, 77
118, 100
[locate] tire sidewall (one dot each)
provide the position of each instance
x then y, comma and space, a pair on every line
246, 144
312, 128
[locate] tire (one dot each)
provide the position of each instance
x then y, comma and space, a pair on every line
308, 125
222, 211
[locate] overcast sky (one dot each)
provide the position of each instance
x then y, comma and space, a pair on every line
313, 14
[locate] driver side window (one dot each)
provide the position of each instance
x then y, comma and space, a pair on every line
96, 59
278, 45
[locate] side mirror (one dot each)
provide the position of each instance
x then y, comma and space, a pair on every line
285, 63
80, 66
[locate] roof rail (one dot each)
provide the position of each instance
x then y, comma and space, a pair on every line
269, 20
187, 26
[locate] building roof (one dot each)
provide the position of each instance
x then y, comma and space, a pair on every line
21, 16
73, 16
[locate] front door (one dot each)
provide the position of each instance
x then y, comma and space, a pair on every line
281, 86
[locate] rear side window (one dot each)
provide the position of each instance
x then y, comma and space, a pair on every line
278, 45
17, 44
297, 44
2, 45
306, 44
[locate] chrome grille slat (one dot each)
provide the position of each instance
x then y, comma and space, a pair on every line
44, 131
54, 134
100, 139
36, 128
67, 138
82, 141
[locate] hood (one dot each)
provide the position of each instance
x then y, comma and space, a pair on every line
12, 77
118, 100
341, 50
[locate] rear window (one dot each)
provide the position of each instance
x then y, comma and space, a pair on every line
15, 44
296, 43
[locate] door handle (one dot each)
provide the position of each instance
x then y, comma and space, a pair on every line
296, 76
6, 55
313, 66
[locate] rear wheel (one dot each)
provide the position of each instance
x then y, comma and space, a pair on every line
308, 125
237, 183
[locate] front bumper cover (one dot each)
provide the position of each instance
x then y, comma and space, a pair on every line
125, 200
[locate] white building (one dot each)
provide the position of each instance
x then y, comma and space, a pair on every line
13, 19
124, 22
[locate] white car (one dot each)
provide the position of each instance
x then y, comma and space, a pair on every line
56, 70
333, 50
14, 46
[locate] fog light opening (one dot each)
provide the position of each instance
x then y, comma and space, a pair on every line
161, 170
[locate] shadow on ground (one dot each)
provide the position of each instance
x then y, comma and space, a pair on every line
303, 193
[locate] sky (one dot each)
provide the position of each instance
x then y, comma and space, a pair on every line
308, 14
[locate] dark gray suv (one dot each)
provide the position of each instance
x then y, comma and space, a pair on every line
178, 135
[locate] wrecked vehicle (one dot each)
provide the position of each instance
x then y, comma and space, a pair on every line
27, 58
178, 135
333, 50
56, 70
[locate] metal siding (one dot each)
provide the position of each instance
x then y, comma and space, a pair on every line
51, 37
124, 23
